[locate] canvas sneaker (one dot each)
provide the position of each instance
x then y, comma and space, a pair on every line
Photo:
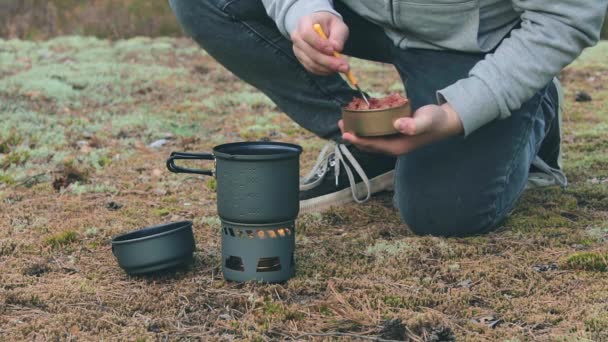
547, 167
344, 174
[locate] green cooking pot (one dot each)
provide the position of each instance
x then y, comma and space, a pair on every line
257, 182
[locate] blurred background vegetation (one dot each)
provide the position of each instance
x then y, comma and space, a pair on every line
40, 19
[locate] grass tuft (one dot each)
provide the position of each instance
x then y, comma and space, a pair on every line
597, 323
588, 261
62, 240
162, 212
14, 158
212, 184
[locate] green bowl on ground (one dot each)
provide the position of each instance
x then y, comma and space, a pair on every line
154, 249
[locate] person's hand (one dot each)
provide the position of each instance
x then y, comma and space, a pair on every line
428, 124
316, 53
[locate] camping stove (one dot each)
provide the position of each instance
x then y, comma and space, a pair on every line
261, 252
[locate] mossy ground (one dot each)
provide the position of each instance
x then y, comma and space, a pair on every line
77, 118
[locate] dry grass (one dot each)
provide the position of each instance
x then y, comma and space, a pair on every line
77, 118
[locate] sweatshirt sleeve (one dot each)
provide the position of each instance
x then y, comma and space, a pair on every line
552, 34
286, 13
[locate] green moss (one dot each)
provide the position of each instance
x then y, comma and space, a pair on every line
50, 147
599, 234
271, 308
262, 126
154, 124
325, 310
278, 310
164, 211
62, 239
586, 242
7, 179
212, 184
104, 161
98, 158
393, 301
91, 231
585, 165
4, 147
97, 82
588, 261
293, 315
530, 221
79, 188
15, 158
250, 99
10, 141
209, 222
597, 323
389, 248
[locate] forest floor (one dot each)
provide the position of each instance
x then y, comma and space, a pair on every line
85, 128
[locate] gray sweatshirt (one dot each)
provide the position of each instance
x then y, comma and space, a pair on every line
551, 35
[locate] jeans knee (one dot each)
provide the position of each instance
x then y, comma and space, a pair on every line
445, 218
216, 25
195, 17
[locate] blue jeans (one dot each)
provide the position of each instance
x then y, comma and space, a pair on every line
459, 186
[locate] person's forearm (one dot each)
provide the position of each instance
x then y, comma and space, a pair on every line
552, 35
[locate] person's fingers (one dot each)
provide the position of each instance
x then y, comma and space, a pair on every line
393, 145
376, 144
353, 139
338, 34
420, 123
308, 35
319, 51
406, 126
330, 62
424, 123
310, 64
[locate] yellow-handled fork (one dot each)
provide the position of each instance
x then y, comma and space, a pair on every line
349, 75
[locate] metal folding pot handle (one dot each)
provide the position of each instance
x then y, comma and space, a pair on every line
189, 156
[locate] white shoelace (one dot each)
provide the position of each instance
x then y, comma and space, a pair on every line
328, 158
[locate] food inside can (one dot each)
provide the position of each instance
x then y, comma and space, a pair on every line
390, 101
376, 119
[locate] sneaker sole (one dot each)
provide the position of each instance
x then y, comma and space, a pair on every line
383, 182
